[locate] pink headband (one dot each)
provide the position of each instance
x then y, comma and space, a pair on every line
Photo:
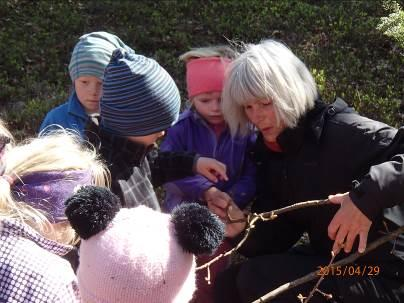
206, 75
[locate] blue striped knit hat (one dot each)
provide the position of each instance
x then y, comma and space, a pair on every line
139, 97
92, 54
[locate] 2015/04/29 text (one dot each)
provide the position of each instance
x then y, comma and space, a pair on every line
348, 270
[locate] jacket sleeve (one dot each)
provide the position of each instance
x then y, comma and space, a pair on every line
168, 166
192, 186
243, 190
383, 186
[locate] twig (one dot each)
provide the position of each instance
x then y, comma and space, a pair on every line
311, 276
319, 280
274, 213
267, 216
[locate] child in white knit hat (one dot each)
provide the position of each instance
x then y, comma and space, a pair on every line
138, 254
86, 68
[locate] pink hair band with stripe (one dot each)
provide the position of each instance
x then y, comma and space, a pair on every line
205, 75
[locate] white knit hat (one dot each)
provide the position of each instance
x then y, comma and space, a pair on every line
92, 53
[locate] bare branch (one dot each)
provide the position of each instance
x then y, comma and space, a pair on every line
274, 213
251, 219
313, 275
315, 288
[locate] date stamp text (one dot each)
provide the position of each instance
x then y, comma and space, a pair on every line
348, 270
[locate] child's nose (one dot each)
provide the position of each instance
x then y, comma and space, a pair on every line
95, 90
216, 105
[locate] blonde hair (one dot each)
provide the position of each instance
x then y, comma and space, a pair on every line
55, 152
209, 51
4, 132
267, 71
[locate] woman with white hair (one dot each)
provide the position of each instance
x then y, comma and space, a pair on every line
306, 150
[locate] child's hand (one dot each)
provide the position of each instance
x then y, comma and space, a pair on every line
218, 201
211, 169
234, 213
223, 206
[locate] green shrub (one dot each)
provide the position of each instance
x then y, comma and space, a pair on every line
338, 40
393, 25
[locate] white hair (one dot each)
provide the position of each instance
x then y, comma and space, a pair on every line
267, 71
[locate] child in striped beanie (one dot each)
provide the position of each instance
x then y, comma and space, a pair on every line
86, 68
140, 101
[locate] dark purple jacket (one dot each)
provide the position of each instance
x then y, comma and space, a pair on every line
191, 133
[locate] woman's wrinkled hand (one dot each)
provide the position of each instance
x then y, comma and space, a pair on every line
348, 223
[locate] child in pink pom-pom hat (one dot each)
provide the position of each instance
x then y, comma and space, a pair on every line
138, 254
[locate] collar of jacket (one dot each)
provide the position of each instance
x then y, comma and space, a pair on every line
15, 228
75, 108
291, 139
197, 118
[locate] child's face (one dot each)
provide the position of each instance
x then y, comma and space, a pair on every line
147, 140
89, 91
208, 106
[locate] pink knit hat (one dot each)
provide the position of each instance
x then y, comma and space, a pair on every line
206, 75
138, 254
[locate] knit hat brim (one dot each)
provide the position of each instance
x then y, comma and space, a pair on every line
92, 54
139, 96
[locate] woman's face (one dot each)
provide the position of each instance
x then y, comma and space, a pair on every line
261, 113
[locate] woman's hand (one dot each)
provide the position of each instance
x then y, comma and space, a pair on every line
348, 223
211, 169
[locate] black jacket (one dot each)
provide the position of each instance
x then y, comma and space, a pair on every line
330, 148
136, 168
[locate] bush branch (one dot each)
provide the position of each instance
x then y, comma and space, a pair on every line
252, 218
313, 275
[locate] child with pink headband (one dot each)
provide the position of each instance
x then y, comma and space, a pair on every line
201, 128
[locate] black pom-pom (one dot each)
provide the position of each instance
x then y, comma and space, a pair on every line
197, 229
91, 209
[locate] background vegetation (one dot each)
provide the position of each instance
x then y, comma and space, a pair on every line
339, 40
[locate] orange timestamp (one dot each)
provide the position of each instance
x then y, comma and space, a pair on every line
348, 270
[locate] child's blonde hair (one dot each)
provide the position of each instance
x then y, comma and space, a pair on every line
4, 131
60, 151
209, 51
